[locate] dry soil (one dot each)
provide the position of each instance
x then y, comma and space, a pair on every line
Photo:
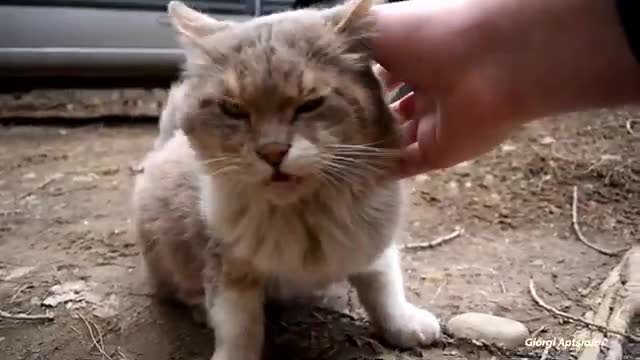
65, 249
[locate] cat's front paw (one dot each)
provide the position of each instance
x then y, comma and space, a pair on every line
411, 327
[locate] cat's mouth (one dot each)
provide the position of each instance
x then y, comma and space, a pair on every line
282, 177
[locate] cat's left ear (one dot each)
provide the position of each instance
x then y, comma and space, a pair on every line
351, 16
191, 24
353, 13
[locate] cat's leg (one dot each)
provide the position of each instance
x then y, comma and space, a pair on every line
380, 290
236, 309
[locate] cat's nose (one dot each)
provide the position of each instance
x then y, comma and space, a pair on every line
273, 153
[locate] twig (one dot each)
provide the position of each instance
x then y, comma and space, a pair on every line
20, 290
26, 317
581, 237
122, 356
493, 348
585, 292
42, 185
545, 352
629, 304
599, 318
583, 334
106, 171
75, 330
538, 331
434, 243
551, 309
629, 126
79, 188
604, 301
99, 346
502, 287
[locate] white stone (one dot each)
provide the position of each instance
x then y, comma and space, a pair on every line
493, 329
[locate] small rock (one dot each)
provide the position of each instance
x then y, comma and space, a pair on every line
493, 329
507, 147
433, 277
537, 262
547, 140
65, 292
422, 178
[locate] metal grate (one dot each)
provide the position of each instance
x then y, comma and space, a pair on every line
274, 6
236, 7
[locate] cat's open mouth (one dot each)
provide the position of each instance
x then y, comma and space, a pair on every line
281, 177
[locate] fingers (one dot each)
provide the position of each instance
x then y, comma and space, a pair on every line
412, 112
420, 142
405, 107
390, 82
409, 132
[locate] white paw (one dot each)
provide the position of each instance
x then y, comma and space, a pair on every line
412, 327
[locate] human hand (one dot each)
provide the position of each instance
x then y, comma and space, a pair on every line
480, 69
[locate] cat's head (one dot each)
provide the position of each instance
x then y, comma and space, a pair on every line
287, 102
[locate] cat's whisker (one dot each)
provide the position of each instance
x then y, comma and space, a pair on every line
379, 160
223, 170
219, 159
347, 172
365, 151
342, 172
328, 179
374, 167
365, 145
369, 144
374, 164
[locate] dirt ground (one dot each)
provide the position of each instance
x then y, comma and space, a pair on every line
65, 250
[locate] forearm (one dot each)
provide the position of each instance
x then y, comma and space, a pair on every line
574, 57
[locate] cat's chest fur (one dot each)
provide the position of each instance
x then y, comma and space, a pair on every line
312, 243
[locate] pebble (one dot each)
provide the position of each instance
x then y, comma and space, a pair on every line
493, 329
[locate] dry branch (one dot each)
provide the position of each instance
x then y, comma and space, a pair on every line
25, 317
600, 318
99, 344
629, 305
584, 334
629, 126
41, 186
581, 237
551, 309
434, 243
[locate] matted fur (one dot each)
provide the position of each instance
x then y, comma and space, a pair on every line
216, 225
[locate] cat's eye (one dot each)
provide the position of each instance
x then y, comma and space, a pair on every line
233, 110
310, 105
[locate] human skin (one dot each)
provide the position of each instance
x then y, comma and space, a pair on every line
480, 69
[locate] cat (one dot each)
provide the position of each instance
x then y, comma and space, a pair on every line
271, 175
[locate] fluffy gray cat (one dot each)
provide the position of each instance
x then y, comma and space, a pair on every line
271, 175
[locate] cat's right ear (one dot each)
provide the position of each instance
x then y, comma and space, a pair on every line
192, 24
193, 28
